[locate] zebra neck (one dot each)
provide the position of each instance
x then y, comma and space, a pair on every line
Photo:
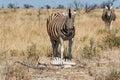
64, 30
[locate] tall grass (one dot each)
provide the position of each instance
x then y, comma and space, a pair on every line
18, 30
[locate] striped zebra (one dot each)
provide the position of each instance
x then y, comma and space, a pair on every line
60, 27
108, 16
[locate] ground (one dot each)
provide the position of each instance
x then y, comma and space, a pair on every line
24, 38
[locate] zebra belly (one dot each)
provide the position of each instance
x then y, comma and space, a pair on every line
56, 36
53, 36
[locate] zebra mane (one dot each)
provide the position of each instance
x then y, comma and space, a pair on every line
69, 13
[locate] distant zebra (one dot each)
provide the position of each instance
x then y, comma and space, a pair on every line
108, 16
60, 27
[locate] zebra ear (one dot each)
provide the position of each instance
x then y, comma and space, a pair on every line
64, 14
74, 13
106, 7
111, 7
69, 13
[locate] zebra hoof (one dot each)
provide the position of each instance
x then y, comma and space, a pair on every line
69, 58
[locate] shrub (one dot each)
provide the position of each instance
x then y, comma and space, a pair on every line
32, 55
111, 40
109, 74
90, 50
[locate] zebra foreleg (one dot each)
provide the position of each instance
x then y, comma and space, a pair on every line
62, 47
56, 48
111, 25
70, 49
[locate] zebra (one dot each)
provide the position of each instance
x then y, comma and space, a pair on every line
60, 27
108, 16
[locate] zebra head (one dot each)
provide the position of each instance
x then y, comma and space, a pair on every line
108, 10
108, 15
69, 24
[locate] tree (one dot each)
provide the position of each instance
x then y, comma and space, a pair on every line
89, 8
2, 6
28, 6
10, 5
48, 6
77, 4
60, 6
42, 7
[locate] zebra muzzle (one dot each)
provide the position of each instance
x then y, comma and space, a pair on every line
70, 32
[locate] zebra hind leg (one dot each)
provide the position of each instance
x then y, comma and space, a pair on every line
53, 47
70, 49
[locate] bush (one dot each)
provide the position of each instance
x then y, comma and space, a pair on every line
109, 74
111, 40
90, 50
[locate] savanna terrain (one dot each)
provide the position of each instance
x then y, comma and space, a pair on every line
24, 38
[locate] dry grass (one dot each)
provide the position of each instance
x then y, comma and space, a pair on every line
23, 37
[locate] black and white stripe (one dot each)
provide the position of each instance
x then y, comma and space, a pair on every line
108, 16
60, 27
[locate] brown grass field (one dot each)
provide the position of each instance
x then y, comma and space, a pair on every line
23, 37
